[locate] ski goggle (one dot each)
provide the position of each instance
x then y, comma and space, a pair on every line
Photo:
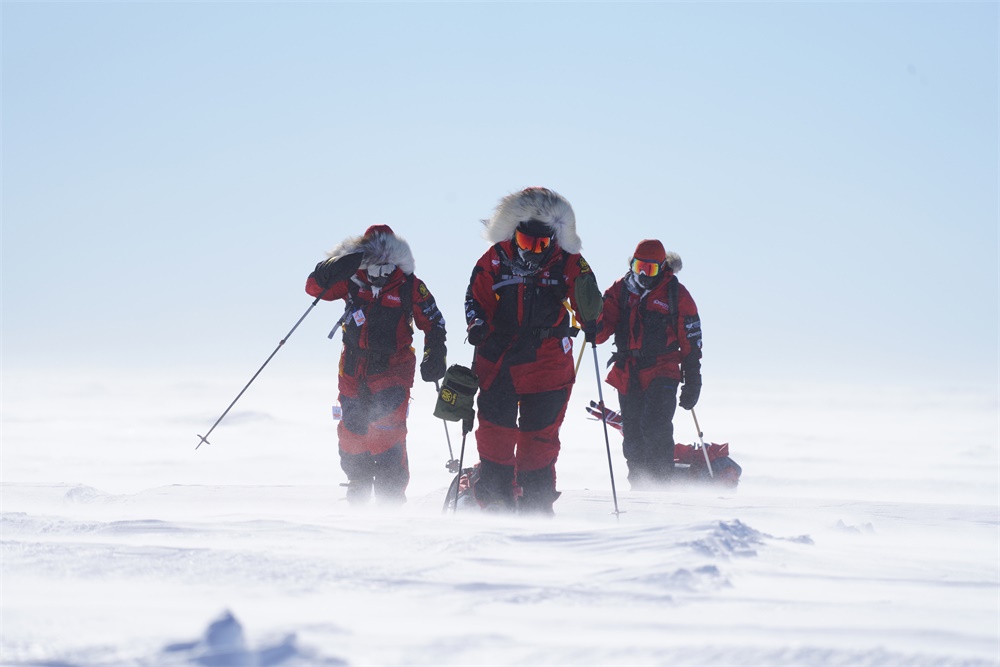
640, 266
529, 243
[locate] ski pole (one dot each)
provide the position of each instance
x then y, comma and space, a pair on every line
604, 420
708, 464
466, 427
450, 466
204, 438
579, 358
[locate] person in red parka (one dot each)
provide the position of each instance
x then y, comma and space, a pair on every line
518, 321
657, 336
373, 273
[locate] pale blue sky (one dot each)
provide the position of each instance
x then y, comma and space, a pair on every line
828, 172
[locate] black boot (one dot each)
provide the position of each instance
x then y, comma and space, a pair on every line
639, 478
494, 490
359, 491
392, 474
538, 491
661, 465
360, 469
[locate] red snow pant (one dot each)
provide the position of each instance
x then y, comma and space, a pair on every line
518, 443
372, 435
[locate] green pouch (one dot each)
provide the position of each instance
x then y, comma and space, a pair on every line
458, 392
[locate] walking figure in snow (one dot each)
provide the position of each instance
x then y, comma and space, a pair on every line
657, 336
374, 275
518, 321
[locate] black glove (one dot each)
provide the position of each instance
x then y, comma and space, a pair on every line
335, 269
477, 332
690, 391
589, 331
433, 366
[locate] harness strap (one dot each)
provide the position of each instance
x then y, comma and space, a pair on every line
526, 280
555, 332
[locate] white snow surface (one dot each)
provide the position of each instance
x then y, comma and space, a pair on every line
865, 531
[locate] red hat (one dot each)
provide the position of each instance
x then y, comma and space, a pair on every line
379, 229
650, 250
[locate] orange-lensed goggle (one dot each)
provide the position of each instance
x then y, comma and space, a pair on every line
640, 266
529, 243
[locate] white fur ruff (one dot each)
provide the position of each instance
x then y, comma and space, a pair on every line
539, 204
380, 249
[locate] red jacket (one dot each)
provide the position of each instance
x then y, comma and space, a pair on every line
530, 329
378, 334
655, 333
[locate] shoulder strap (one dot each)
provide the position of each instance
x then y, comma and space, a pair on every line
672, 300
622, 330
406, 298
510, 279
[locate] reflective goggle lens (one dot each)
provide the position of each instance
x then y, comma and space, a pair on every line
640, 266
528, 243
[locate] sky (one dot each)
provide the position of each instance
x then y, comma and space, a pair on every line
171, 172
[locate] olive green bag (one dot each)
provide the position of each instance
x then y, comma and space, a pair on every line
458, 392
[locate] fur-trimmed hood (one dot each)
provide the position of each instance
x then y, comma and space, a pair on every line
539, 204
381, 246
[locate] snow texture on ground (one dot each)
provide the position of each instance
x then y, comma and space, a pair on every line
866, 532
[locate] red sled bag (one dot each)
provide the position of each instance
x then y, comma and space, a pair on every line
689, 460
725, 471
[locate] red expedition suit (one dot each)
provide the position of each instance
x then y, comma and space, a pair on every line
376, 373
657, 335
519, 322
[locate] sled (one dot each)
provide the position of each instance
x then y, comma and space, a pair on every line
460, 491
689, 460
689, 464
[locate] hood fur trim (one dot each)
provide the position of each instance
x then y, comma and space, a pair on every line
380, 248
539, 204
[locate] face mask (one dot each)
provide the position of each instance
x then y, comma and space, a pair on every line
529, 261
378, 275
646, 282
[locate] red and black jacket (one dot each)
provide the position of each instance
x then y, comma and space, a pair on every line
656, 333
378, 328
530, 328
